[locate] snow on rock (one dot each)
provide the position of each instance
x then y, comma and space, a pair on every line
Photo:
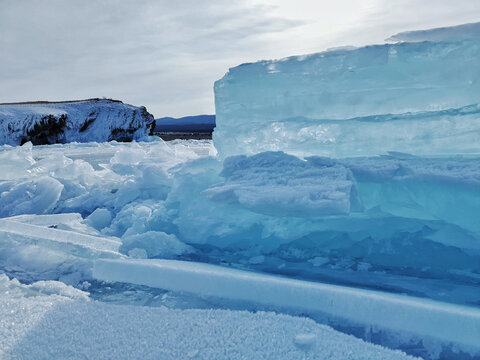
56, 326
68, 121
425, 318
364, 101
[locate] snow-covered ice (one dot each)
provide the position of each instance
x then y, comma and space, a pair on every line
451, 323
39, 325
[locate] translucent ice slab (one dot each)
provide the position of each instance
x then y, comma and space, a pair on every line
408, 97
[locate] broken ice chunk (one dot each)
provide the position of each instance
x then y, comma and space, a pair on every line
275, 183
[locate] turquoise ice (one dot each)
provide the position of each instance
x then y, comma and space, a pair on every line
415, 97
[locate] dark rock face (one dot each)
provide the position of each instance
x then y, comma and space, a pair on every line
49, 130
89, 121
146, 114
96, 120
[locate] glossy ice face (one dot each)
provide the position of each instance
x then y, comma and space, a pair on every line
412, 97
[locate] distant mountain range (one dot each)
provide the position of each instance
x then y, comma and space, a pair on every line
195, 124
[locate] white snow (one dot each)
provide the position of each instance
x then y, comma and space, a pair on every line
54, 289
36, 325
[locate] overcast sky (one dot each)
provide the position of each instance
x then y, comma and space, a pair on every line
166, 54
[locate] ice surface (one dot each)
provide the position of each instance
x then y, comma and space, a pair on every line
280, 184
99, 219
83, 178
81, 121
155, 244
426, 188
444, 132
451, 323
38, 196
364, 217
414, 220
38, 326
174, 201
404, 130
35, 248
115, 188
15, 161
365, 101
93, 243
275, 183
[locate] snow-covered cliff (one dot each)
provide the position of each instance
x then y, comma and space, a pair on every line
81, 121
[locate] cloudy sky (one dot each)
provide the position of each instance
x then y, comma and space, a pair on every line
166, 54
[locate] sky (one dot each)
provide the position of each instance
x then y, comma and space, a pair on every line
166, 54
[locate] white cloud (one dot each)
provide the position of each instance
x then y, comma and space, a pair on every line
167, 54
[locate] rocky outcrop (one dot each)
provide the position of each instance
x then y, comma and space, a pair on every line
89, 120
